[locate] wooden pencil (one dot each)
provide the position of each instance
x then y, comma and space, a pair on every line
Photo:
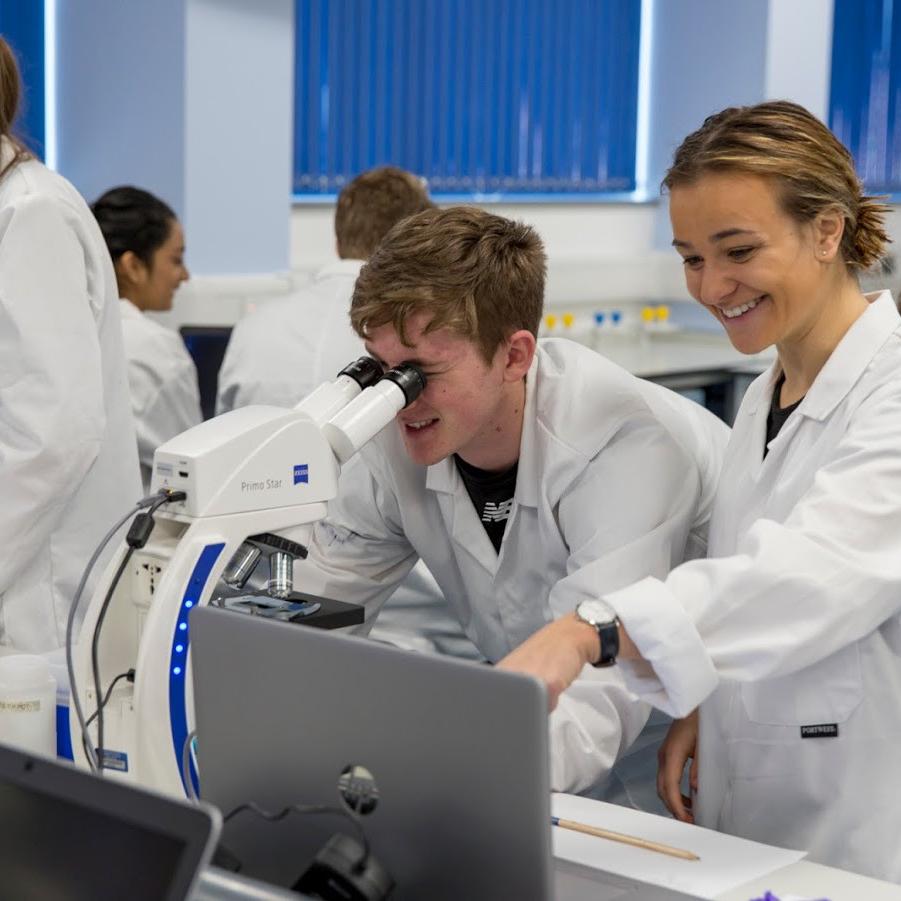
633, 840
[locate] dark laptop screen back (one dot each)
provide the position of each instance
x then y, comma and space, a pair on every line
458, 753
65, 834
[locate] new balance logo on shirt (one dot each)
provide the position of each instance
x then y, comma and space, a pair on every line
491, 494
493, 512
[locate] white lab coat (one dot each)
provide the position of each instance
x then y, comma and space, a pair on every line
287, 347
796, 621
162, 380
68, 465
616, 479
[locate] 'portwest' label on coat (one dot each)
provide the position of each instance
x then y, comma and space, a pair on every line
824, 730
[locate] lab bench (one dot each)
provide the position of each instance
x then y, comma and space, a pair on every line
574, 883
688, 361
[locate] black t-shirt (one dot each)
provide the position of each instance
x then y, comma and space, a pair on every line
492, 496
777, 416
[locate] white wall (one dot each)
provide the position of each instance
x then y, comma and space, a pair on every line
799, 53
238, 132
706, 54
193, 100
595, 251
120, 97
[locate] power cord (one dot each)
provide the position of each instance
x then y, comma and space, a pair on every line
75, 700
95, 662
304, 809
186, 765
138, 535
130, 675
259, 811
344, 869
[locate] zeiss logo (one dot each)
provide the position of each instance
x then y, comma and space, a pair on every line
302, 474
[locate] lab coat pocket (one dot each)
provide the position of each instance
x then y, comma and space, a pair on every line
827, 692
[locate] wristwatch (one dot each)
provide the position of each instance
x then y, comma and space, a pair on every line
602, 617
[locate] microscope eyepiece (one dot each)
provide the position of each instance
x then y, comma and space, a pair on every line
364, 371
366, 415
409, 378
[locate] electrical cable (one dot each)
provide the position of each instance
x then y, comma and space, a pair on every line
70, 627
186, 765
138, 535
75, 700
95, 661
304, 809
130, 675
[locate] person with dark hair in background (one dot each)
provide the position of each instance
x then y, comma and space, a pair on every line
780, 651
147, 244
68, 467
286, 348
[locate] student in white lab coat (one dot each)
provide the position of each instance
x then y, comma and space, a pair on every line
789, 636
287, 347
147, 244
68, 467
526, 479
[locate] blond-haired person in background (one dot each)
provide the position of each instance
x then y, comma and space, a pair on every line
287, 347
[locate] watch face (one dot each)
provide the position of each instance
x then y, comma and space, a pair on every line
596, 611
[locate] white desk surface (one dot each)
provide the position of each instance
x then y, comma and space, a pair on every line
800, 879
811, 880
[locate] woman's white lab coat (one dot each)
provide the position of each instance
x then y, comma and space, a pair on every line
68, 466
162, 380
615, 481
794, 626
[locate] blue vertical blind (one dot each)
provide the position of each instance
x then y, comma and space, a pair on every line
509, 97
865, 100
22, 25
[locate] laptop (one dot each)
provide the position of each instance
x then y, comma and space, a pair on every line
450, 757
69, 834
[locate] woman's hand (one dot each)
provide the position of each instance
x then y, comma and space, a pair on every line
679, 746
555, 654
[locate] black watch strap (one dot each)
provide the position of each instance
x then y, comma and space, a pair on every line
608, 634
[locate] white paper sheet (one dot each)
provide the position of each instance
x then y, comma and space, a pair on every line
725, 861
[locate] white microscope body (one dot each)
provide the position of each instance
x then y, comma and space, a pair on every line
253, 472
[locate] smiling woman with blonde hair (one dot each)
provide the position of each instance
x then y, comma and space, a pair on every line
781, 651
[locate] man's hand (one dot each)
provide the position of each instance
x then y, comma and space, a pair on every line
556, 654
679, 746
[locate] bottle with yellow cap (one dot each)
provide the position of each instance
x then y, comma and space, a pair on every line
548, 326
664, 323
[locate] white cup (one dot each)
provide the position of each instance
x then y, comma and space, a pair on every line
28, 704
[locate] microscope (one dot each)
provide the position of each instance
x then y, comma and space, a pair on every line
251, 484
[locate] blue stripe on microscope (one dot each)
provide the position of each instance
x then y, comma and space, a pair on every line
63, 735
178, 657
